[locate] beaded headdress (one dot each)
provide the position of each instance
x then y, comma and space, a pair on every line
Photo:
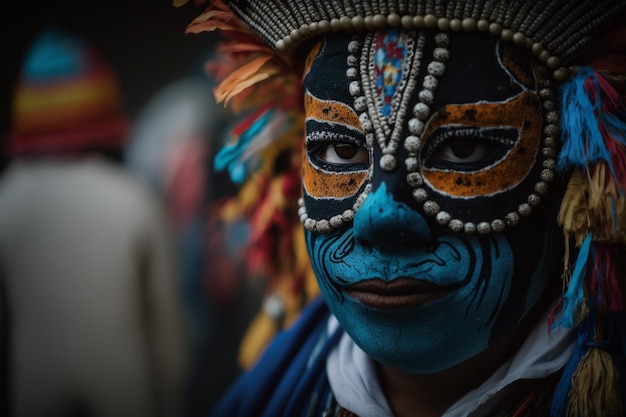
583, 45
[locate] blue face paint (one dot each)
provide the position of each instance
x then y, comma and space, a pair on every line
467, 277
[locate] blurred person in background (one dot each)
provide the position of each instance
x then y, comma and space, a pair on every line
171, 147
91, 310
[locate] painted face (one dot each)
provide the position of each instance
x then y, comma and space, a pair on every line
426, 204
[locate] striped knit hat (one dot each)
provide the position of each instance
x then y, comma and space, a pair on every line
66, 99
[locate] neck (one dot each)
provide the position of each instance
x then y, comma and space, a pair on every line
433, 394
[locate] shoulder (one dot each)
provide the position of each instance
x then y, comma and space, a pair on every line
289, 374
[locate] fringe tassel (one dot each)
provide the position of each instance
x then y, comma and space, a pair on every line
595, 383
559, 407
574, 211
605, 285
592, 129
593, 217
573, 299
594, 387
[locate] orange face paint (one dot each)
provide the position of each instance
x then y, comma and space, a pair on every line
324, 183
521, 113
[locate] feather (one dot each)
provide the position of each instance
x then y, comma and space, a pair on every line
573, 298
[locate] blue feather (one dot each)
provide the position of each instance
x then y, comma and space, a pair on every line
583, 140
573, 297
235, 157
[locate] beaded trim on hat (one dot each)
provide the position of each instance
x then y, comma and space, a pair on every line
557, 31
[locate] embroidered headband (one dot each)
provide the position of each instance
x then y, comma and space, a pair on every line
557, 31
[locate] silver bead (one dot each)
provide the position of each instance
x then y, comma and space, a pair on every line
421, 111
309, 224
469, 24
549, 163
552, 117
420, 195
366, 123
358, 22
412, 144
430, 83
414, 179
394, 20
483, 228
411, 164
323, 226
469, 228
551, 141
548, 152
512, 218
430, 21
497, 225
534, 200
519, 38
347, 215
352, 73
345, 23
336, 221
541, 188
506, 35
442, 40
416, 126
426, 96
482, 25
436, 68
388, 162
547, 175
443, 23
355, 88
324, 26
443, 218
431, 208
456, 25
456, 225
545, 93
525, 209
441, 54
380, 21
407, 22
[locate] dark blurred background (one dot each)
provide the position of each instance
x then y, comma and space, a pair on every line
144, 41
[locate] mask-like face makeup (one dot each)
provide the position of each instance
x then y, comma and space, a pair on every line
426, 176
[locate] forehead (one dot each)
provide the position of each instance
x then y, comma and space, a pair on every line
480, 67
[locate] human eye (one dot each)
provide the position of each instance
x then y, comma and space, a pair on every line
337, 151
344, 153
468, 148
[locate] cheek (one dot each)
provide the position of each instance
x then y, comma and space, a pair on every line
326, 251
322, 184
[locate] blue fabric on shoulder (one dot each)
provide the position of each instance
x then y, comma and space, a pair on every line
290, 377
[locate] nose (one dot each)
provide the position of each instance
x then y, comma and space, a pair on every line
385, 222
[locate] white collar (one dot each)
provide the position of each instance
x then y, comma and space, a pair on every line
352, 376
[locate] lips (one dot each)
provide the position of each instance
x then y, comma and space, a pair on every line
396, 294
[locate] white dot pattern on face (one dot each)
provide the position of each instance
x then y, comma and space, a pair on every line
388, 138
